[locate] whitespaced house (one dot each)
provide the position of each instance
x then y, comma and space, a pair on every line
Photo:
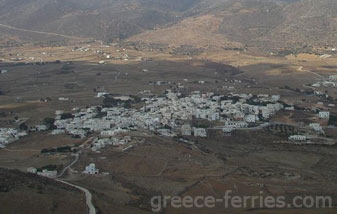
32, 170
63, 99
199, 132
329, 84
4, 139
9, 135
290, 108
324, 114
41, 127
91, 169
47, 173
78, 133
333, 77
316, 126
227, 130
251, 118
101, 94
236, 124
275, 98
297, 138
186, 130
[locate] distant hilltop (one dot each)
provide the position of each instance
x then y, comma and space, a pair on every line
262, 24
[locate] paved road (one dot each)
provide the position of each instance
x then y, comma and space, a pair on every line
88, 196
77, 157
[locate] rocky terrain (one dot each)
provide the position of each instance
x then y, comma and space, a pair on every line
16, 186
264, 24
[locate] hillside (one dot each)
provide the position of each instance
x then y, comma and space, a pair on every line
29, 193
200, 32
100, 19
264, 24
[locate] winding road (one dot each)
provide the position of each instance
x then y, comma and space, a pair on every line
77, 157
88, 196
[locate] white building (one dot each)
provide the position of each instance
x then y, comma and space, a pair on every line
78, 133
9, 135
324, 115
108, 133
227, 130
275, 98
251, 118
236, 124
91, 169
199, 132
41, 127
47, 173
101, 94
297, 138
316, 126
186, 130
32, 170
333, 77
290, 108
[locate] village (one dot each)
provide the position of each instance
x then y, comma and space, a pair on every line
170, 115
173, 115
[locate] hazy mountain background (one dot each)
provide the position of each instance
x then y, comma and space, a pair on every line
266, 24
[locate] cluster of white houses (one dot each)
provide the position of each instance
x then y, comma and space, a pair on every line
331, 81
90, 170
171, 115
9, 135
44, 172
101, 142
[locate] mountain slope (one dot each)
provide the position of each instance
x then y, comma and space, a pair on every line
101, 19
28, 193
265, 24
200, 32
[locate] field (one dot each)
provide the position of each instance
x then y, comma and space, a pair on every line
248, 162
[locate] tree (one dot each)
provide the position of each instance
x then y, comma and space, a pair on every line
49, 122
23, 127
66, 116
127, 105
